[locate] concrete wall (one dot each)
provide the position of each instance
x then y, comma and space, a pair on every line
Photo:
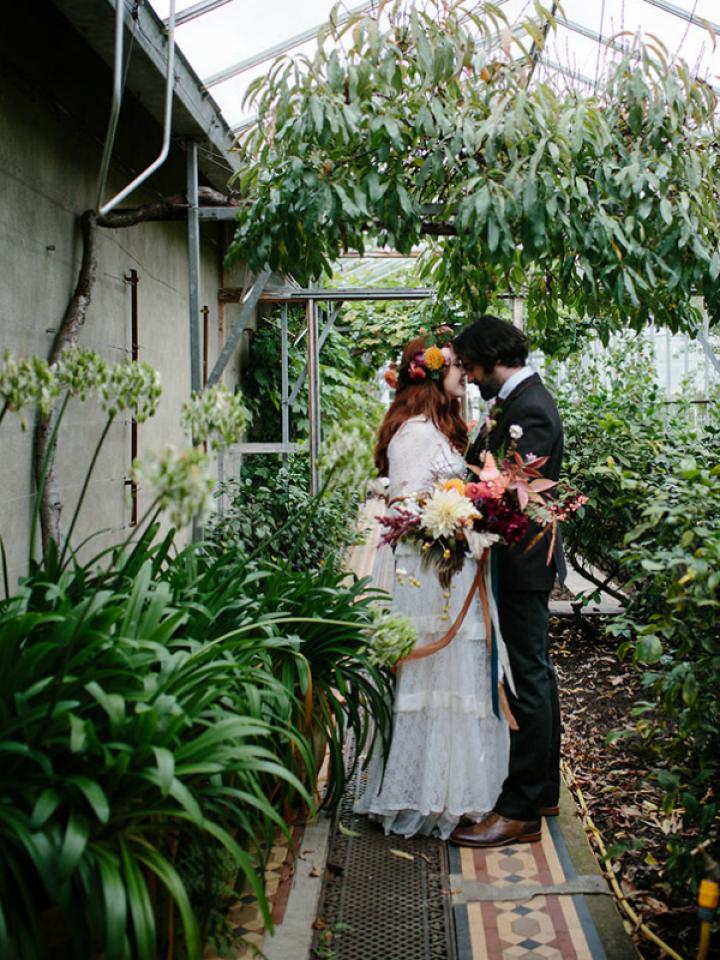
52, 127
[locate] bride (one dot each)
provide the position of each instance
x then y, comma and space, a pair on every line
449, 752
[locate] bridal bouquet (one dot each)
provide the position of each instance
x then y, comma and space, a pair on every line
457, 519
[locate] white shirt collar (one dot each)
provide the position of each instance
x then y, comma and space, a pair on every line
517, 378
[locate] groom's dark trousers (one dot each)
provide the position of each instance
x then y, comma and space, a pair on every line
525, 581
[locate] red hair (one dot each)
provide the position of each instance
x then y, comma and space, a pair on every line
427, 399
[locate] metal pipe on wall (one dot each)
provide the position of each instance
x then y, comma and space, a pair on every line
116, 101
167, 121
133, 279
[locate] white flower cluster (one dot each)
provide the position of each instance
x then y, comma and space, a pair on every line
133, 386
82, 373
515, 431
23, 381
178, 481
215, 415
393, 637
79, 371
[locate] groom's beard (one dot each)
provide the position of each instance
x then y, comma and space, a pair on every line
489, 386
488, 390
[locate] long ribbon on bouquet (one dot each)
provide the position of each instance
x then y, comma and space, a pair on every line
499, 695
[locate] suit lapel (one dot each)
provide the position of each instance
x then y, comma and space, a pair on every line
505, 406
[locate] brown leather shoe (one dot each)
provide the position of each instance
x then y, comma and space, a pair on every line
495, 830
552, 811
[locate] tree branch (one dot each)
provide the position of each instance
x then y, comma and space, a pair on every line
438, 229
72, 323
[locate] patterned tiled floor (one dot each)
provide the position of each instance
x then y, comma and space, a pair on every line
553, 924
245, 917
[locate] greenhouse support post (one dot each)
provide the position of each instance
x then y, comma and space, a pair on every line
284, 377
313, 362
193, 233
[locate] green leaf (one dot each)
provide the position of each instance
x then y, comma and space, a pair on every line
166, 768
45, 806
75, 841
690, 690
141, 910
170, 878
112, 703
648, 649
115, 899
95, 796
78, 734
666, 210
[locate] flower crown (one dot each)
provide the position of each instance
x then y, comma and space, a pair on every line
427, 364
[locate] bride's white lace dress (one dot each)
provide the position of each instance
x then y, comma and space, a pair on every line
449, 752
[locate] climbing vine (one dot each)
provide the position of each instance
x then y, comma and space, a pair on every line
413, 124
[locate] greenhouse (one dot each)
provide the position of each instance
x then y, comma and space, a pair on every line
360, 430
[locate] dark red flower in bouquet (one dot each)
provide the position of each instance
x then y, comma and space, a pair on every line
502, 517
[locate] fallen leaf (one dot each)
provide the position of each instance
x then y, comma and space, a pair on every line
347, 832
314, 872
402, 854
319, 924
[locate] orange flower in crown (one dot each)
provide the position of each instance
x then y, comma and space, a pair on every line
434, 358
391, 378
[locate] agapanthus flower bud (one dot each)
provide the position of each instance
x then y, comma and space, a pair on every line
215, 415
393, 637
133, 386
26, 380
178, 480
80, 371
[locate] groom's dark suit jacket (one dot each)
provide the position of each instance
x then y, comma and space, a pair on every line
530, 406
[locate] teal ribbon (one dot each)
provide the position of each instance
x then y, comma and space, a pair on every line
494, 665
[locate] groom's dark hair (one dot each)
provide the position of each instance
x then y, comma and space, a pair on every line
490, 340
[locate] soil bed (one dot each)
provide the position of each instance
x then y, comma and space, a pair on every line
597, 693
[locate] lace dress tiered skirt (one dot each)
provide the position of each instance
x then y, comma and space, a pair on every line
449, 752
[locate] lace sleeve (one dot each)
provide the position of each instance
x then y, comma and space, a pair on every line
417, 455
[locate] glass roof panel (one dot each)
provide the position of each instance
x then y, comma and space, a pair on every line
241, 29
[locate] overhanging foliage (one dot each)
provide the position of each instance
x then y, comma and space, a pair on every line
602, 208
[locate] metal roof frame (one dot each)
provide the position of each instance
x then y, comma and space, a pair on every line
235, 69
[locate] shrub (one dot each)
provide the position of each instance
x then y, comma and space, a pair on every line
653, 522
271, 513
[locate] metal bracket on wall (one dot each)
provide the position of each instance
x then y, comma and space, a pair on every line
709, 352
249, 302
324, 334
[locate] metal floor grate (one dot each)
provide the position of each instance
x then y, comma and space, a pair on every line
377, 906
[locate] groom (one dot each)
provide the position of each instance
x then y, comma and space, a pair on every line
493, 353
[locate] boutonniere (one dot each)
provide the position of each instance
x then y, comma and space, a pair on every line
493, 416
